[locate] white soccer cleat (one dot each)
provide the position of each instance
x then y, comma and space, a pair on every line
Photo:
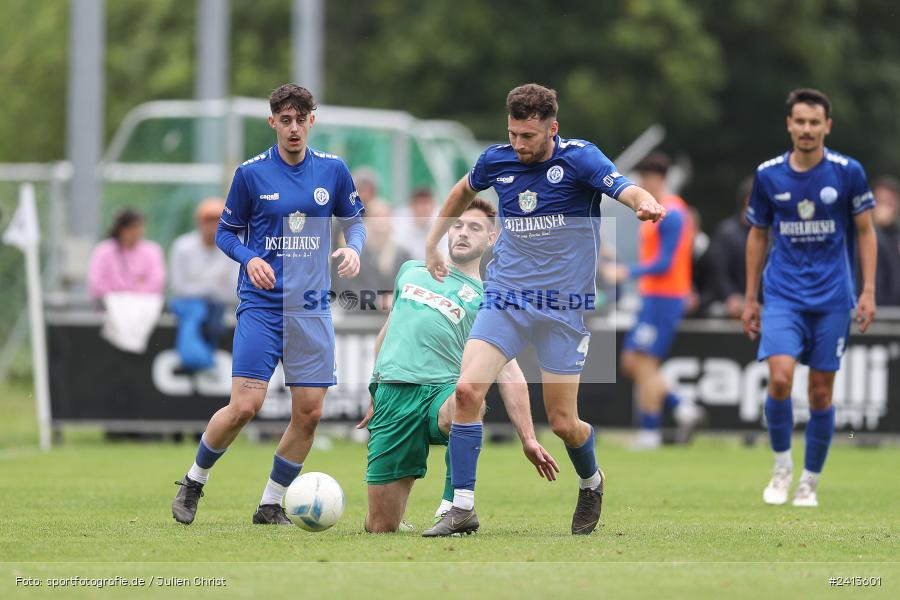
688, 416
777, 490
805, 495
646, 440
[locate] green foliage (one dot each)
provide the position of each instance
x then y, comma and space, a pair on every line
715, 74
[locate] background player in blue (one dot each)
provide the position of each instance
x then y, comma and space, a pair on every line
538, 285
282, 200
817, 203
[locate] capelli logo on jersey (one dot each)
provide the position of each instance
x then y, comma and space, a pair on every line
270, 197
506, 179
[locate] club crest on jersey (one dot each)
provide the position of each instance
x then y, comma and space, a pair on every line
321, 196
296, 221
828, 195
466, 294
555, 174
528, 201
806, 209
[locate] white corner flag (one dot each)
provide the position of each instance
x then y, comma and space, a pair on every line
24, 233
23, 229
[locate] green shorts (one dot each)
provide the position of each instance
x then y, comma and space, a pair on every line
403, 426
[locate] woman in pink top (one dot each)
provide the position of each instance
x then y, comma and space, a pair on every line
125, 261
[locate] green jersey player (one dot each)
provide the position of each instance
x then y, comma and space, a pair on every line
418, 357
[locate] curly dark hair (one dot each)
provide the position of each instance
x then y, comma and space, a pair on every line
532, 101
808, 96
290, 95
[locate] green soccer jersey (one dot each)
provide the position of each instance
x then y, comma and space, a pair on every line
430, 322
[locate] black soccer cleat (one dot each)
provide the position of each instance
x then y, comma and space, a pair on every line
184, 506
270, 514
587, 511
455, 521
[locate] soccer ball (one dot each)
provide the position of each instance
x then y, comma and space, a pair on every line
314, 501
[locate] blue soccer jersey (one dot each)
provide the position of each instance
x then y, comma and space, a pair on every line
285, 213
812, 263
549, 216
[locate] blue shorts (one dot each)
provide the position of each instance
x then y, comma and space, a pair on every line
560, 338
814, 339
656, 326
303, 344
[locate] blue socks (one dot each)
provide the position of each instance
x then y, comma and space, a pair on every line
284, 471
206, 456
651, 421
671, 401
464, 448
780, 417
583, 458
819, 431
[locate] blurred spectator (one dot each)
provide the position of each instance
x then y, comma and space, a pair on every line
380, 261
127, 275
412, 222
367, 184
728, 254
125, 261
203, 280
887, 207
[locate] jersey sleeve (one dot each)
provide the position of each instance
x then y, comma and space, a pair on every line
348, 204
599, 173
239, 203
860, 194
478, 176
759, 209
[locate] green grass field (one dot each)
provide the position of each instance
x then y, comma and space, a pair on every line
678, 523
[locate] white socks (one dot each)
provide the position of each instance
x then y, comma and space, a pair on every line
273, 494
464, 499
444, 507
589, 483
783, 460
811, 478
198, 474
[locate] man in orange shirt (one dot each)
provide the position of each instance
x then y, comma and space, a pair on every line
664, 283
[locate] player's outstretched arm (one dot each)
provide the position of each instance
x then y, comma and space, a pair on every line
514, 392
457, 201
642, 202
757, 240
868, 258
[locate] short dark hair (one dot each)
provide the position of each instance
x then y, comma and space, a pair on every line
655, 162
532, 101
808, 96
888, 182
422, 192
124, 219
486, 207
290, 95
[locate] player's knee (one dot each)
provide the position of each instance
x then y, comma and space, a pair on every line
377, 525
307, 419
564, 426
780, 384
468, 396
242, 413
820, 397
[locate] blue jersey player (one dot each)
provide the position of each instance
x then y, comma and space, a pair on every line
817, 204
538, 285
282, 201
